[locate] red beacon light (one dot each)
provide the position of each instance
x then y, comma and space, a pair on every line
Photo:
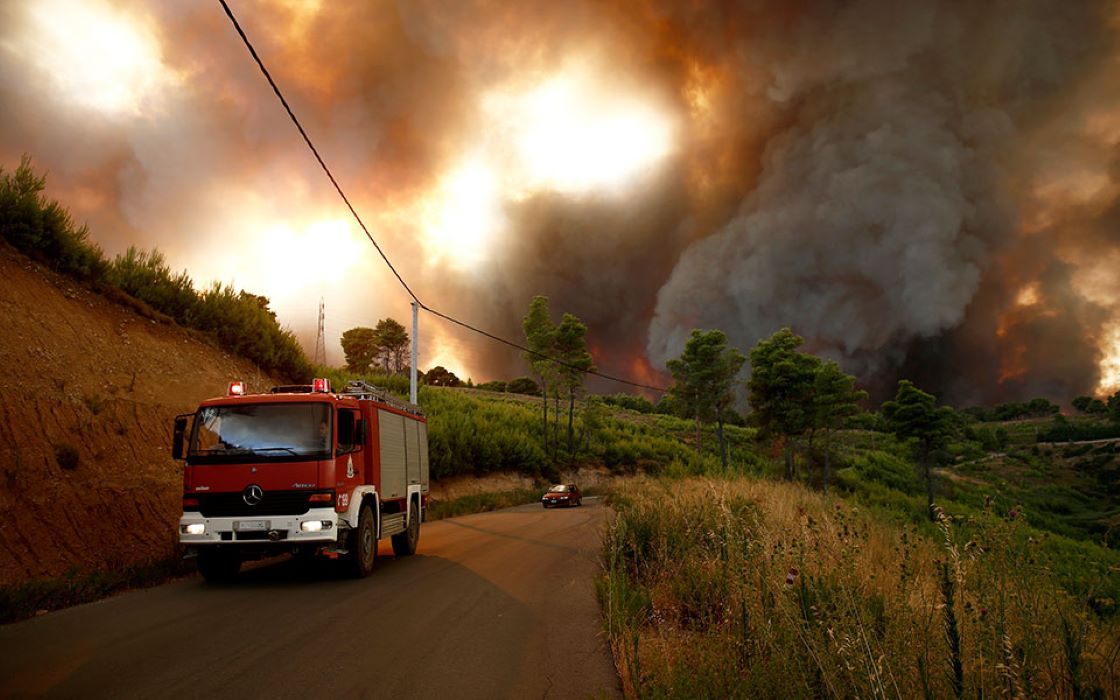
321, 385
237, 388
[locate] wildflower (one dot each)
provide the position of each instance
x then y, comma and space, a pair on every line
1014, 513
791, 576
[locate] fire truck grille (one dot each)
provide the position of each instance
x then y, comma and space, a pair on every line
224, 505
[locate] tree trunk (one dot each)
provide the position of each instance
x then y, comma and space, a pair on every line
789, 460
556, 418
827, 464
571, 418
928, 471
809, 456
544, 395
699, 437
722, 442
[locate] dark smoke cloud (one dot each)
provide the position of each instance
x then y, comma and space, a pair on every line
886, 178
885, 220
598, 258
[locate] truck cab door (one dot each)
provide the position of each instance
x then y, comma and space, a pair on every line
349, 459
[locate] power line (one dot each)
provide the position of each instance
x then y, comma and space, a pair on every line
385, 258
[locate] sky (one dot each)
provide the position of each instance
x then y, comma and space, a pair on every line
927, 190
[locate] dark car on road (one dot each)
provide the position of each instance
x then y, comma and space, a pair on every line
562, 495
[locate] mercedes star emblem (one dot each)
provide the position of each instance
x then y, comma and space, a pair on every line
252, 495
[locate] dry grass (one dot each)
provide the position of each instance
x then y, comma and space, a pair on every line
745, 588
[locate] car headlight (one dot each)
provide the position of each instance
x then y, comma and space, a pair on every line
194, 529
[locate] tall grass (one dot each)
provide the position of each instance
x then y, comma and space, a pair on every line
745, 588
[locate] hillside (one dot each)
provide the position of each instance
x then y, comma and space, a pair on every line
93, 378
86, 374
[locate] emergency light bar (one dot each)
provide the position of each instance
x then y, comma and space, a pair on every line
237, 388
321, 385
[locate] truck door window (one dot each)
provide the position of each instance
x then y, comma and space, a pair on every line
347, 430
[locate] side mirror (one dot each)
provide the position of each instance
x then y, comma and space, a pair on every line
177, 440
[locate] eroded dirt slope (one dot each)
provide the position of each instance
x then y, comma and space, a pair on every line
78, 370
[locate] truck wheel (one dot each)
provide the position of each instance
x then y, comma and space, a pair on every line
218, 565
405, 543
363, 544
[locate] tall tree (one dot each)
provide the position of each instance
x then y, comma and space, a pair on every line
540, 338
571, 350
704, 376
392, 344
914, 415
781, 389
835, 400
360, 347
441, 376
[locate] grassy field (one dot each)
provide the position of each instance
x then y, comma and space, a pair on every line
737, 587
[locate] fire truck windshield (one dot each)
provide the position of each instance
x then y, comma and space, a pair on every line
261, 432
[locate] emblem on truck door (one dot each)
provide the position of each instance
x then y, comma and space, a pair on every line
350, 467
252, 495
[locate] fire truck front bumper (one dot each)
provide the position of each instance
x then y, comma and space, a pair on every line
317, 525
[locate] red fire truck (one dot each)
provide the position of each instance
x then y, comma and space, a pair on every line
304, 470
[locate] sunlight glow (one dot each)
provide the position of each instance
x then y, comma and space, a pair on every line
95, 55
1028, 295
1110, 361
291, 257
571, 134
463, 214
443, 352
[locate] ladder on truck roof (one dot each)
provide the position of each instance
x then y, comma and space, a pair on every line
364, 390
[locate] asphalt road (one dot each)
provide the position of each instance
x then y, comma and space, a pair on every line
495, 605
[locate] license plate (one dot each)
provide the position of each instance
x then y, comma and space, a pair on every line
250, 525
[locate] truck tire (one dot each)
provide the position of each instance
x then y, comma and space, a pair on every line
404, 544
218, 565
363, 544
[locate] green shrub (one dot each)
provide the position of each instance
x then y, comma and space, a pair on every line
523, 385
1063, 430
42, 229
145, 276
241, 322
629, 401
886, 469
481, 503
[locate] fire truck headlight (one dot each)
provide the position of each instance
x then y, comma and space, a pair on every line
194, 529
311, 526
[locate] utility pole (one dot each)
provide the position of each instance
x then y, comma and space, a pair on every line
415, 344
320, 339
